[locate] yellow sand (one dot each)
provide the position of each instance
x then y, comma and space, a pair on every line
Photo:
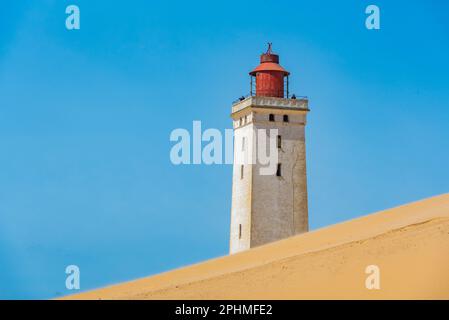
410, 245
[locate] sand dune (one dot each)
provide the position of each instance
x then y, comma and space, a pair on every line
409, 244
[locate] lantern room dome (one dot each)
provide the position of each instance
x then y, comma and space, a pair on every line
269, 66
269, 61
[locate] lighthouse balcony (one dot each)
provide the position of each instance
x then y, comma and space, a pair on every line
300, 103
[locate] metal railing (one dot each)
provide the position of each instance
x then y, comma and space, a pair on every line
253, 94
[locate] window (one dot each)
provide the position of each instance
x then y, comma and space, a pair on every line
241, 171
240, 121
278, 171
246, 120
243, 144
285, 118
240, 231
279, 142
271, 117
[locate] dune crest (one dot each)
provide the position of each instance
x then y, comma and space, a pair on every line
409, 244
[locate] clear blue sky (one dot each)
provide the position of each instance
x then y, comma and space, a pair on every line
85, 119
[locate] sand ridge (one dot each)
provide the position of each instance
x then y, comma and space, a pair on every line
409, 244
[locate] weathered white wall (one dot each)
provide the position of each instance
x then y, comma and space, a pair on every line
269, 208
241, 194
279, 204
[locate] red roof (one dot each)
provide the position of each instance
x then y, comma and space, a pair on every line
269, 66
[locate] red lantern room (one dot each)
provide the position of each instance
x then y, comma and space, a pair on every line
271, 78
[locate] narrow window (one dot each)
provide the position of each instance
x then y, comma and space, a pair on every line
271, 117
278, 171
246, 119
279, 142
240, 122
241, 171
243, 144
240, 231
285, 118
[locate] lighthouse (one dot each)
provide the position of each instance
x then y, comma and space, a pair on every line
269, 207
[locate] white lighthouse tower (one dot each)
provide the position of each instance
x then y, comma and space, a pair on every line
267, 208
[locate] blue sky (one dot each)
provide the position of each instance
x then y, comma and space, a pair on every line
86, 115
